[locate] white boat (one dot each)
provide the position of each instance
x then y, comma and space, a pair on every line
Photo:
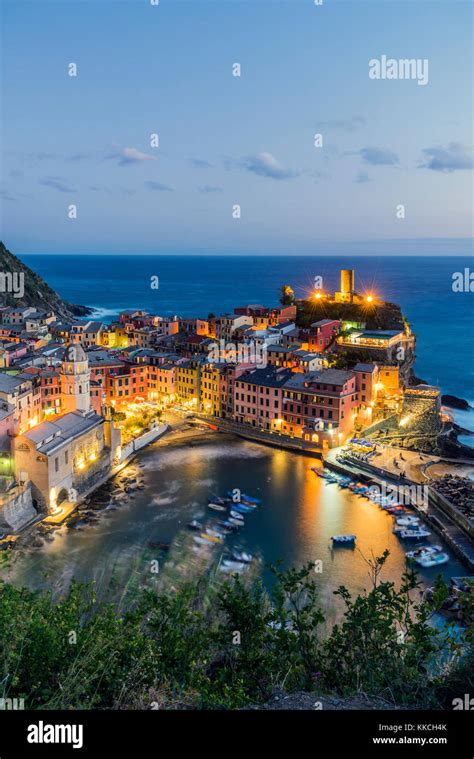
216, 506
433, 561
406, 521
232, 566
412, 534
214, 533
343, 539
237, 516
242, 556
423, 551
236, 522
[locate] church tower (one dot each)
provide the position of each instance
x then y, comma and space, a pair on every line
75, 380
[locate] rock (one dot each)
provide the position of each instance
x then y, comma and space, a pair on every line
454, 402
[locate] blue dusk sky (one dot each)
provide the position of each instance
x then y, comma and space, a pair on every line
229, 140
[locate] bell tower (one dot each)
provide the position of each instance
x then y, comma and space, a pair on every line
75, 380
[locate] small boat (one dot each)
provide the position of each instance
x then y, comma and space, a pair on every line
211, 538
242, 556
226, 524
248, 504
216, 506
218, 499
195, 525
223, 529
320, 472
232, 566
412, 534
407, 521
241, 508
423, 551
236, 515
244, 497
214, 534
236, 522
202, 541
433, 561
343, 539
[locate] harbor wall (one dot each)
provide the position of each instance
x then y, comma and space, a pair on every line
140, 442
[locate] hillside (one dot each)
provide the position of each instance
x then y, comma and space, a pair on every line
36, 292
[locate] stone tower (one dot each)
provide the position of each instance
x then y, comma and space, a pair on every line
75, 380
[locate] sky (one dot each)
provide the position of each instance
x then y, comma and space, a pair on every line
393, 173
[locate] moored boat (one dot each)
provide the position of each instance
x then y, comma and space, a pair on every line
343, 539
235, 515
423, 551
195, 525
242, 556
412, 534
216, 506
435, 560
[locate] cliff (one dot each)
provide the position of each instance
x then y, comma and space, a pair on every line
34, 291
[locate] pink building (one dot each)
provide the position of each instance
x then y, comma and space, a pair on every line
258, 397
323, 333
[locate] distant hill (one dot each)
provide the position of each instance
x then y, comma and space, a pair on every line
36, 292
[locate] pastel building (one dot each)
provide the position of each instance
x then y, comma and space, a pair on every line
320, 407
258, 398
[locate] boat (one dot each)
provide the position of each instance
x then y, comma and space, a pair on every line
236, 522
407, 521
244, 497
214, 533
423, 551
320, 472
412, 534
242, 556
433, 561
223, 529
211, 538
195, 525
232, 566
241, 508
218, 499
216, 506
343, 539
202, 541
235, 515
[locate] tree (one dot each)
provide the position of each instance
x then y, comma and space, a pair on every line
287, 297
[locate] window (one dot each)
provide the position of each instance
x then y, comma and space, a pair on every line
56, 464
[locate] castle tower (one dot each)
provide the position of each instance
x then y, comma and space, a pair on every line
347, 292
347, 282
75, 380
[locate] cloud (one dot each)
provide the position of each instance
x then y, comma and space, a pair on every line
198, 163
453, 158
361, 177
158, 186
127, 156
379, 156
266, 165
209, 188
5, 195
344, 125
57, 183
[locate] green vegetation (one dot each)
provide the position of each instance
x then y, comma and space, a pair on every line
287, 295
227, 645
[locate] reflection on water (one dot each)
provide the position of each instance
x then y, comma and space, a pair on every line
299, 513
